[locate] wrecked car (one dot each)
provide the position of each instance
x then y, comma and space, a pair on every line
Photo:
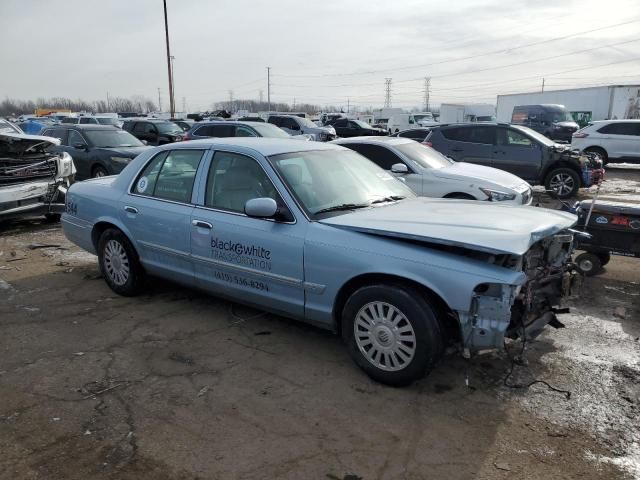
33, 180
317, 232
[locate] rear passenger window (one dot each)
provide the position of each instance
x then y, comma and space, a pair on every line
170, 175
484, 135
621, 128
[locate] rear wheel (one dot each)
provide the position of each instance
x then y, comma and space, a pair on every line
563, 182
119, 263
392, 333
588, 263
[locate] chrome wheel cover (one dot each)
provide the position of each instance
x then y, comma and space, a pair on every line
116, 262
586, 265
384, 336
562, 183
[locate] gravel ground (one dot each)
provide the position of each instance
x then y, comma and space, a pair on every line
176, 384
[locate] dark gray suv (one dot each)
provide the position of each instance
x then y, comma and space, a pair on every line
518, 150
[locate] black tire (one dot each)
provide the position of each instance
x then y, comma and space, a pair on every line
588, 263
111, 244
600, 151
417, 313
604, 257
563, 182
98, 171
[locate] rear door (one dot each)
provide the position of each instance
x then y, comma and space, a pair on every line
621, 139
517, 153
473, 144
157, 212
254, 259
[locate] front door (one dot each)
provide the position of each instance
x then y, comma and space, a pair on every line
255, 260
157, 212
518, 154
78, 148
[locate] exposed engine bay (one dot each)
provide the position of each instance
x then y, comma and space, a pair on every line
517, 311
33, 179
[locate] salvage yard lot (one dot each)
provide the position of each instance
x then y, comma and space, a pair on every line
176, 384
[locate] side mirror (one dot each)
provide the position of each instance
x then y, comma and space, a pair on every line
399, 168
261, 207
145, 142
79, 146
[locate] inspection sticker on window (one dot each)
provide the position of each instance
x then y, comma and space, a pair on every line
143, 183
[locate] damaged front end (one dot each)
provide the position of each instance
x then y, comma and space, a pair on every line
33, 180
500, 311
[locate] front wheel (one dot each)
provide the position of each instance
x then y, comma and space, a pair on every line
119, 263
99, 171
392, 333
563, 182
588, 263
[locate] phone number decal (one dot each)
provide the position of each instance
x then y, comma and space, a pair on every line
245, 282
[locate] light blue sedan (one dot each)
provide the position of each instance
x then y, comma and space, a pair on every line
319, 233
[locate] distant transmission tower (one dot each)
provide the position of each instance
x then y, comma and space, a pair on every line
427, 92
387, 93
231, 100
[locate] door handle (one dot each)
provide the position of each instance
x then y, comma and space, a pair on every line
201, 224
456, 149
129, 209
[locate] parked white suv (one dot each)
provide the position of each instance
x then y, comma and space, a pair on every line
613, 140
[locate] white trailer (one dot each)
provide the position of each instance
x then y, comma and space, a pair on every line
608, 102
472, 112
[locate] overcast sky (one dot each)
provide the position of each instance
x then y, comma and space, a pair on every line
322, 52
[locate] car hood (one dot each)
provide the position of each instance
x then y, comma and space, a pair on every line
483, 176
29, 142
129, 152
481, 226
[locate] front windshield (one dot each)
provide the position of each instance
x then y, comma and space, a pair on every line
108, 121
270, 131
560, 116
112, 138
424, 156
168, 127
532, 133
306, 123
322, 179
361, 124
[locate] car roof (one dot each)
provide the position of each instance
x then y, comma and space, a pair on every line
227, 122
374, 140
85, 126
262, 145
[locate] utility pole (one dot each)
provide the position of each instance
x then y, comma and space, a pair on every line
159, 101
348, 104
172, 105
108, 108
231, 100
268, 89
427, 92
387, 95
261, 95
542, 85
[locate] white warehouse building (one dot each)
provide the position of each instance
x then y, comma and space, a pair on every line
585, 104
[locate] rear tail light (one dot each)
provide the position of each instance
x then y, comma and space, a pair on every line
580, 135
428, 144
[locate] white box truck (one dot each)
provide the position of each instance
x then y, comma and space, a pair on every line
608, 102
463, 113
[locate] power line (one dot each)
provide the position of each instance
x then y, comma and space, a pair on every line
494, 52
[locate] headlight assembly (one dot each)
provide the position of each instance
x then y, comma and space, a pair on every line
497, 196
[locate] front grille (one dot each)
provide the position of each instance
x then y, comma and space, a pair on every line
14, 171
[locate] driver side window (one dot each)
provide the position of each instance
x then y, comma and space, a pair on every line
514, 138
233, 179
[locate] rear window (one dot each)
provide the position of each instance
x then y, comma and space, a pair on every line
621, 128
484, 135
